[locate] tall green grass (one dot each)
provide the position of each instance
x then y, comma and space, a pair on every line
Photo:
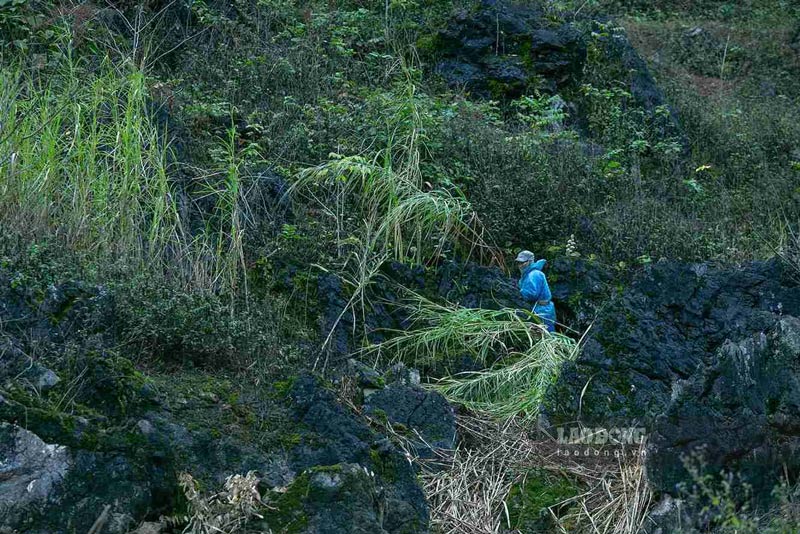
400, 218
85, 163
406, 216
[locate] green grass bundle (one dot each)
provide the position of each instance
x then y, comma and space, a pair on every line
523, 359
515, 386
443, 333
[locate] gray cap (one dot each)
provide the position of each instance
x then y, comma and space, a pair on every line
525, 255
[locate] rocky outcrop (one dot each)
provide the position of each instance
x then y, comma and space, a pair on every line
506, 49
669, 322
108, 443
424, 417
331, 440
740, 414
707, 360
340, 499
17, 366
32, 473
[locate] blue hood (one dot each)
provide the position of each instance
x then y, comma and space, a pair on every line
537, 266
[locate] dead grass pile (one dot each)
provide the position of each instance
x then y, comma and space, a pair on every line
468, 488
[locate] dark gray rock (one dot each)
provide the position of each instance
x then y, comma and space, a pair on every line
460, 74
49, 488
740, 412
366, 377
339, 499
333, 322
32, 474
504, 47
400, 374
579, 288
705, 358
668, 516
331, 436
426, 416
22, 370
669, 322
344, 499
558, 53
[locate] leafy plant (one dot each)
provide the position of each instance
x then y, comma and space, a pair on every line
541, 112
18, 20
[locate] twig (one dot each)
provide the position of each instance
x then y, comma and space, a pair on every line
101, 521
724, 57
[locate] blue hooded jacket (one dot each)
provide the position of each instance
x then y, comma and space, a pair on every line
534, 288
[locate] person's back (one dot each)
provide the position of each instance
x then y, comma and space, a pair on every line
534, 288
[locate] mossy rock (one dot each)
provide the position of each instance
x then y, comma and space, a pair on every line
113, 386
529, 501
341, 498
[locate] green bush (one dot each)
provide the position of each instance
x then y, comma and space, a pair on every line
205, 329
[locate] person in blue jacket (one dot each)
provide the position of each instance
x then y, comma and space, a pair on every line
534, 288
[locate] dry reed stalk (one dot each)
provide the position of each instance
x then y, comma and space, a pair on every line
468, 488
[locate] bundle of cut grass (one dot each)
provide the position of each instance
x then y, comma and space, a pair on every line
444, 333
512, 389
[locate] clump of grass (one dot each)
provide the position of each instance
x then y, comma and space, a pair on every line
410, 223
512, 389
447, 332
473, 491
385, 207
217, 256
85, 162
403, 214
428, 220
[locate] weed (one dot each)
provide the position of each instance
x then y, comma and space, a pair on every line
86, 164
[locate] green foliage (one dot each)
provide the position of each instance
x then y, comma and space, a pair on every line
180, 327
530, 500
20, 20
222, 242
408, 222
84, 162
539, 111
516, 385
201, 328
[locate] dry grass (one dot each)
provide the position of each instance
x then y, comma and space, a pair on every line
225, 512
471, 494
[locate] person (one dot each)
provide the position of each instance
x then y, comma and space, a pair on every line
534, 288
